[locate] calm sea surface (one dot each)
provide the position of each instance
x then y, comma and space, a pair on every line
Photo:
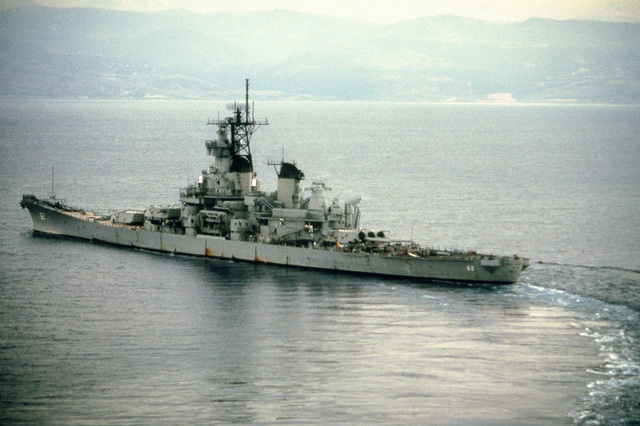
94, 334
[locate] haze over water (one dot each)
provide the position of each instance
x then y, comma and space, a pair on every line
94, 334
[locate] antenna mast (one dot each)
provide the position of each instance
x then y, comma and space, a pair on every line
246, 103
241, 126
53, 194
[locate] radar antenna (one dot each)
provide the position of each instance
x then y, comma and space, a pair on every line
242, 126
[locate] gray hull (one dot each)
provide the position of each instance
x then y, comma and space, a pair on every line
451, 266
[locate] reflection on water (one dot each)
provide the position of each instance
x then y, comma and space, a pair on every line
207, 340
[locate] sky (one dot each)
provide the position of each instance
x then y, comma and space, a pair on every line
385, 11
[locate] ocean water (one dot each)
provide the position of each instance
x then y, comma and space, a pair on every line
94, 334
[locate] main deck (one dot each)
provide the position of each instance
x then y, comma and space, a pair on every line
53, 219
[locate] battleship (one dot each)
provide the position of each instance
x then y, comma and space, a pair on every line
226, 215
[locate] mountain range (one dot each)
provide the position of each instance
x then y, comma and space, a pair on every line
108, 54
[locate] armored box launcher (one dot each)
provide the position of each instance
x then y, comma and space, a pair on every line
226, 215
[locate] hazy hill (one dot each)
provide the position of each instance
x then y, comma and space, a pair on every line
97, 53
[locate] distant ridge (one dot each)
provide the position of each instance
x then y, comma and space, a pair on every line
107, 54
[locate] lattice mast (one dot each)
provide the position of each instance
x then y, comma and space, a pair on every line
242, 125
